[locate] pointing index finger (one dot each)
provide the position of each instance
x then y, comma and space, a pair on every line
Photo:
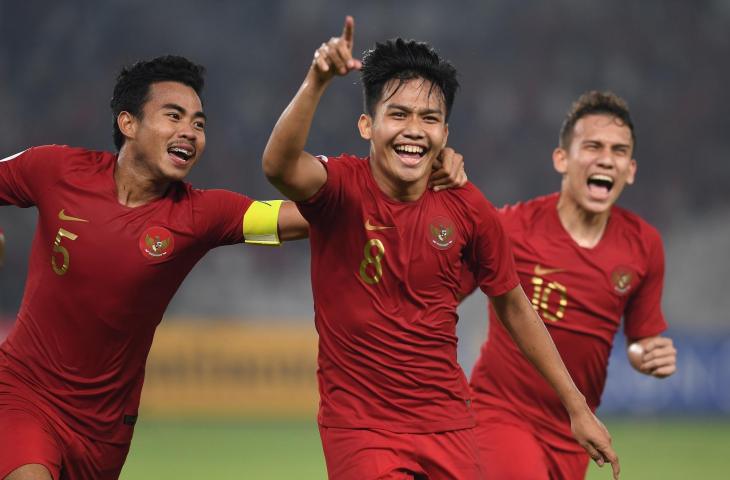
348, 31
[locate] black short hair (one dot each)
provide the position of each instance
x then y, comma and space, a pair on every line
133, 84
595, 103
405, 60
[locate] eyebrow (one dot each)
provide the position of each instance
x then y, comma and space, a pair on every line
614, 145
425, 111
180, 109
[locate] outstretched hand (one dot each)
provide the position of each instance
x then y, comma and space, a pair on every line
594, 437
334, 57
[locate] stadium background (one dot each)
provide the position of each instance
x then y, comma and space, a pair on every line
231, 390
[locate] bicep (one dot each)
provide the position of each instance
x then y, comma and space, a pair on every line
292, 225
303, 179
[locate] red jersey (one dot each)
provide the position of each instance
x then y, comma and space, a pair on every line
386, 280
100, 277
581, 294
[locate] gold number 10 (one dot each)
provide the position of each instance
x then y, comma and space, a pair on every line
62, 233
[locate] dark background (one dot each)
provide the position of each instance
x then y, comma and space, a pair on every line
521, 64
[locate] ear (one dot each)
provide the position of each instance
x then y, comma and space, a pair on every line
127, 124
365, 125
632, 172
560, 160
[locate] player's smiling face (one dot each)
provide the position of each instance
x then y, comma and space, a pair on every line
597, 164
170, 135
406, 134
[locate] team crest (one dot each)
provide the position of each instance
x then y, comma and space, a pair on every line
442, 231
156, 242
622, 279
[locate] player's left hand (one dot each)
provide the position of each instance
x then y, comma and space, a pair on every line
655, 356
448, 171
594, 437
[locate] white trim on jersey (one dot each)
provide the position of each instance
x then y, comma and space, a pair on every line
13, 156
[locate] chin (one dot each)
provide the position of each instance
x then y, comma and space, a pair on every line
597, 207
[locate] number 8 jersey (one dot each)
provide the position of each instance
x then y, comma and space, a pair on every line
386, 282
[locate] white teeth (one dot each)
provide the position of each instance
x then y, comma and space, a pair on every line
409, 149
185, 153
601, 178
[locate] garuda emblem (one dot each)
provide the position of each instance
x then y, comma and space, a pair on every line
156, 242
622, 279
441, 231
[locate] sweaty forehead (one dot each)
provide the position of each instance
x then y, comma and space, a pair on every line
416, 93
603, 126
163, 93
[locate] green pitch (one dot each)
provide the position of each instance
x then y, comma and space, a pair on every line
664, 449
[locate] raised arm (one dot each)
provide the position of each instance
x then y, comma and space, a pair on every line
529, 333
296, 173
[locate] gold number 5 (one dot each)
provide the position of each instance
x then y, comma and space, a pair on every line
62, 233
372, 279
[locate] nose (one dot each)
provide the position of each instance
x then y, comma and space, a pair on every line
187, 132
606, 160
413, 129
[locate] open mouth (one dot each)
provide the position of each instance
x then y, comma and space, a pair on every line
600, 184
410, 154
181, 153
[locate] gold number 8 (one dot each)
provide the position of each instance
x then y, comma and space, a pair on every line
372, 260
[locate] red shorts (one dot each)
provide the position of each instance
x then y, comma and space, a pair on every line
364, 454
29, 435
511, 449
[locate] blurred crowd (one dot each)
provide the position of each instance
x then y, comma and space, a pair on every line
521, 64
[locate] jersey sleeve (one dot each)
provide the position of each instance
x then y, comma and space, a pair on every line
219, 216
489, 254
326, 201
643, 316
25, 176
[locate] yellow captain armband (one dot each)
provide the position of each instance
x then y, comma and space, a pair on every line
261, 223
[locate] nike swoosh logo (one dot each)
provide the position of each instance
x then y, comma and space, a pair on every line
369, 226
62, 215
540, 270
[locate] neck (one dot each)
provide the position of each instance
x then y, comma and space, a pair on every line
398, 189
136, 186
585, 228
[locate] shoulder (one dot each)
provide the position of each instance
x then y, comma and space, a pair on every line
529, 213
344, 161
57, 160
532, 208
209, 196
73, 156
631, 224
469, 203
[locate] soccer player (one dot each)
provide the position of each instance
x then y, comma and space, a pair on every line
584, 263
116, 235
386, 261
